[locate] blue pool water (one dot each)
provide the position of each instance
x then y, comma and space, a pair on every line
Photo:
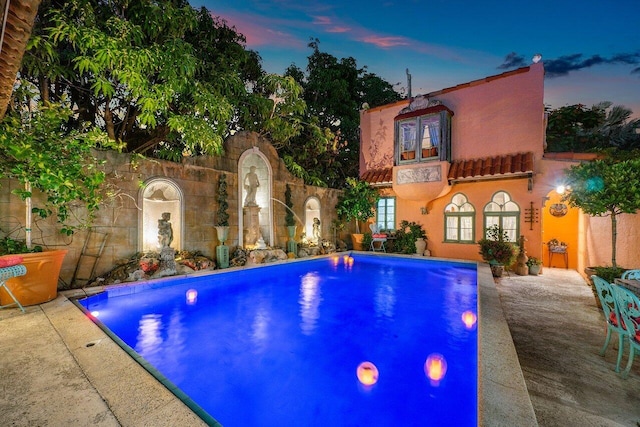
280, 345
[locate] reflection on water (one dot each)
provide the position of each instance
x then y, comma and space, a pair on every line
385, 300
163, 345
309, 301
149, 336
459, 298
260, 328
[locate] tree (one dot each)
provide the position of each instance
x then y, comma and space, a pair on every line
601, 127
165, 79
357, 202
18, 19
334, 91
605, 187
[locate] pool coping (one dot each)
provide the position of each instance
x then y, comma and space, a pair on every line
503, 396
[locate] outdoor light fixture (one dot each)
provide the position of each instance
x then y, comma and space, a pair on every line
536, 58
560, 189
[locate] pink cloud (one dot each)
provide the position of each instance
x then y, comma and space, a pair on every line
338, 30
322, 20
262, 31
385, 41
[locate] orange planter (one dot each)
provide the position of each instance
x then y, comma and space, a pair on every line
40, 284
357, 240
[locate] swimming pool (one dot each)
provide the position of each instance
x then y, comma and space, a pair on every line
279, 344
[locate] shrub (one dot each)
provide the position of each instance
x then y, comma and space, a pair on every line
496, 247
406, 236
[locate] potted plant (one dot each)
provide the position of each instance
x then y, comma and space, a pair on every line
497, 250
60, 178
408, 237
357, 202
535, 265
290, 222
222, 223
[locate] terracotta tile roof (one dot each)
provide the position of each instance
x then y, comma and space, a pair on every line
488, 167
499, 166
378, 176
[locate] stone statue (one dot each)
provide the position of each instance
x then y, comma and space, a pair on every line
316, 230
165, 230
251, 184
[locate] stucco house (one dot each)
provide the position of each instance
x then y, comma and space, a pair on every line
461, 159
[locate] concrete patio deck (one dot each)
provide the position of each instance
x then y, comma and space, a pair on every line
51, 375
558, 332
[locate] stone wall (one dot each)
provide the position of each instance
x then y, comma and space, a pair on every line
197, 178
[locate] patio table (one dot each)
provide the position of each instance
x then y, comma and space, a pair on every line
631, 284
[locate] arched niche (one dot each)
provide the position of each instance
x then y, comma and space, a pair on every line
255, 215
159, 195
311, 212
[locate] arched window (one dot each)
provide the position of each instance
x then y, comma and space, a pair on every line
459, 220
158, 196
503, 212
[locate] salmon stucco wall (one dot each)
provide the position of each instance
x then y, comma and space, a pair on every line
498, 115
592, 234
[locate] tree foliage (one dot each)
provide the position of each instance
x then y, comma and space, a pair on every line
334, 91
601, 127
605, 188
38, 149
357, 202
166, 79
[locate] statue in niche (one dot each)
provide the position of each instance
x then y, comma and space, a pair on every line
251, 184
165, 230
316, 230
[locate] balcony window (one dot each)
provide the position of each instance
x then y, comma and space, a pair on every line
423, 135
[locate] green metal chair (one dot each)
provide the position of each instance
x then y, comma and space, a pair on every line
631, 275
629, 305
7, 273
612, 316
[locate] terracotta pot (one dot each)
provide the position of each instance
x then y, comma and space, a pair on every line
421, 245
40, 284
497, 270
357, 240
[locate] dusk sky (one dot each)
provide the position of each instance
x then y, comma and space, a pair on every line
590, 49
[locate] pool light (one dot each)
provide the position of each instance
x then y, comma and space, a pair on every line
469, 319
435, 368
367, 373
192, 296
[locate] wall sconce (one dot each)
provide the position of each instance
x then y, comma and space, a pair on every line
424, 210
